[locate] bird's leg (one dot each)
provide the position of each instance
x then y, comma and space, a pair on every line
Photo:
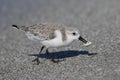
53, 58
57, 61
37, 59
47, 51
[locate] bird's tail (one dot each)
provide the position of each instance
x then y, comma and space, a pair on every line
24, 28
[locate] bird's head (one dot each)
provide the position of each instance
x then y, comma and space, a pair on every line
74, 34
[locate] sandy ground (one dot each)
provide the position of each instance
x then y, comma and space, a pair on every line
98, 21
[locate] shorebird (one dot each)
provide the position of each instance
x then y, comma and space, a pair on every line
52, 35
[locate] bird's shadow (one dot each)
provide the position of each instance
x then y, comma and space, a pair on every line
63, 54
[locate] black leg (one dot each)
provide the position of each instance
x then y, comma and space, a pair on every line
47, 51
42, 49
53, 59
37, 59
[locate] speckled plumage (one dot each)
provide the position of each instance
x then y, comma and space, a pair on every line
46, 30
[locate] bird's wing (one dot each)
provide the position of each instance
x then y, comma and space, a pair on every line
40, 36
47, 37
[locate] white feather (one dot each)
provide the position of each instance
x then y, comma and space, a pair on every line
56, 42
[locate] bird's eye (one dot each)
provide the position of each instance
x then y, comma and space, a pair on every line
74, 33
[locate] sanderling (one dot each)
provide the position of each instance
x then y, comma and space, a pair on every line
52, 35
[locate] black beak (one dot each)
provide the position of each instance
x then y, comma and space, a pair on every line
83, 40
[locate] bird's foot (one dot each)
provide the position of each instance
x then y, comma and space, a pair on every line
57, 60
36, 60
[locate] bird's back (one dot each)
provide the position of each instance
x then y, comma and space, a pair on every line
45, 30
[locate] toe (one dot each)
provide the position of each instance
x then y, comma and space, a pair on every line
36, 60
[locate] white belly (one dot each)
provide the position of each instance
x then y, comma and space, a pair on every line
56, 42
53, 43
